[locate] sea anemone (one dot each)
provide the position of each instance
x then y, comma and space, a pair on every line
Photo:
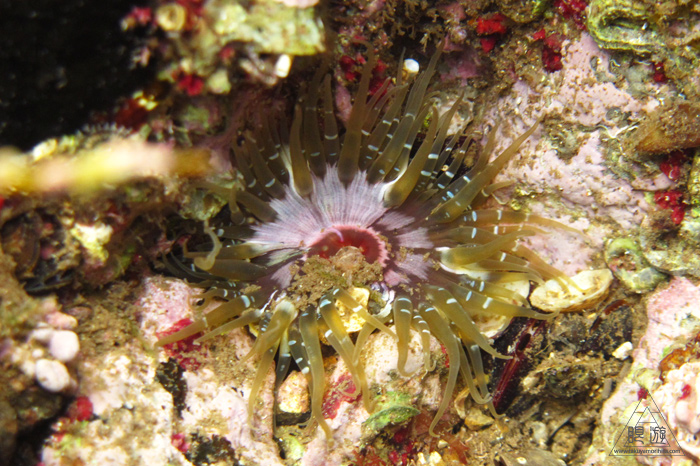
378, 225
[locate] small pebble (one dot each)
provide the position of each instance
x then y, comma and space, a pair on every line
42, 335
623, 351
52, 375
61, 321
64, 345
411, 66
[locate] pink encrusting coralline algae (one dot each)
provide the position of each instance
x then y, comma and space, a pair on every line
673, 321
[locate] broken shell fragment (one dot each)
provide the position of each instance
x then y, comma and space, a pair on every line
553, 296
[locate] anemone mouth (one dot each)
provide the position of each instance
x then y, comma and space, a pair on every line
369, 196
330, 241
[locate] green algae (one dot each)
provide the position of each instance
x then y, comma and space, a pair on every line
392, 408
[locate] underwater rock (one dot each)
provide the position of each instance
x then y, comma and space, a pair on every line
129, 401
199, 43
645, 27
125, 390
532, 457
399, 399
35, 384
673, 320
617, 25
665, 249
49, 370
568, 380
522, 11
577, 188
678, 399
689, 229
625, 259
673, 125
664, 32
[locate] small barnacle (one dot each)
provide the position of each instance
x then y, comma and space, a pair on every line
367, 222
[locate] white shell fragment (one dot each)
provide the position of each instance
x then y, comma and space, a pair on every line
283, 65
410, 66
623, 351
52, 375
594, 285
64, 345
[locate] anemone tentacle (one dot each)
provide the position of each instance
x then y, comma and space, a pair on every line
311, 194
